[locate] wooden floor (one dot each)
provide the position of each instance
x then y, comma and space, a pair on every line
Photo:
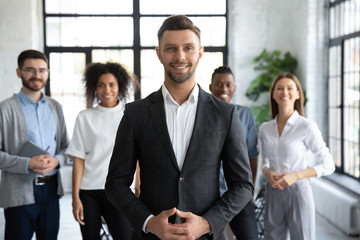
69, 229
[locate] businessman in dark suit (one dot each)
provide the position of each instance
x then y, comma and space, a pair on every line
179, 134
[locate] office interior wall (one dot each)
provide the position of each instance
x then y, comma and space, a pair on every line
20, 28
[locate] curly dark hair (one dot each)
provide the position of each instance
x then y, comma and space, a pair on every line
95, 70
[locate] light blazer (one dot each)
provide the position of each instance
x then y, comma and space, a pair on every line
142, 135
16, 185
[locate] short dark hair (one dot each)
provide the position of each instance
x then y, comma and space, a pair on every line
30, 54
220, 70
299, 103
95, 70
178, 22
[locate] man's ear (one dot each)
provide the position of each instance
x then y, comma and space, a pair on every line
201, 52
158, 54
210, 87
18, 72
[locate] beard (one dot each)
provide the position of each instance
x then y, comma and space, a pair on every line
27, 83
181, 78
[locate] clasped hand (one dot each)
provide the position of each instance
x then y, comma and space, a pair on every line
43, 164
193, 227
280, 180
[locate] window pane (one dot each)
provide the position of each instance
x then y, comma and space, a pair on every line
89, 6
351, 72
351, 154
335, 150
206, 67
213, 30
335, 123
66, 70
125, 57
89, 31
152, 72
150, 25
183, 7
334, 61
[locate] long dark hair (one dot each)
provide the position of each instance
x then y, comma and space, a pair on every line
299, 103
95, 70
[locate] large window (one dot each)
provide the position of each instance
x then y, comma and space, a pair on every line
78, 32
344, 85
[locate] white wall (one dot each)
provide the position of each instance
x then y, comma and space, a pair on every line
297, 26
21, 28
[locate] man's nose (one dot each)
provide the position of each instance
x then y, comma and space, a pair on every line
180, 54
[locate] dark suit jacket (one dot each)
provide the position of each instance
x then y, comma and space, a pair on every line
143, 136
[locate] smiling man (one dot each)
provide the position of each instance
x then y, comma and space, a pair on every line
179, 134
223, 86
30, 184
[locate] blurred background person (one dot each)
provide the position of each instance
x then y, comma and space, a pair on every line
223, 86
284, 144
30, 182
110, 85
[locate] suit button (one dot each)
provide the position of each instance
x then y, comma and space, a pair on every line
181, 179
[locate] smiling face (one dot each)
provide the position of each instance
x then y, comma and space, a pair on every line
34, 74
223, 86
179, 51
107, 89
285, 92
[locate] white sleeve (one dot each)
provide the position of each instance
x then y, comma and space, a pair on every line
76, 146
324, 161
265, 163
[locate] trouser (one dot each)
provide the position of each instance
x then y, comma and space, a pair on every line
244, 224
96, 204
291, 209
42, 217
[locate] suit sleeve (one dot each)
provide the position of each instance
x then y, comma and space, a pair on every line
238, 177
120, 176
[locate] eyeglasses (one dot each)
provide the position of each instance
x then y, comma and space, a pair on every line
33, 71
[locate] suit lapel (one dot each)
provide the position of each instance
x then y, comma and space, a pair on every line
203, 112
157, 112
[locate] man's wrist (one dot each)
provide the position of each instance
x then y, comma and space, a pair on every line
206, 226
144, 228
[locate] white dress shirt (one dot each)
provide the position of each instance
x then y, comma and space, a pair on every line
288, 153
180, 120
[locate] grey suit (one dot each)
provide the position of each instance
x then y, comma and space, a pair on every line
143, 136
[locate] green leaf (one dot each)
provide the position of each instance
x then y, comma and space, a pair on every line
269, 65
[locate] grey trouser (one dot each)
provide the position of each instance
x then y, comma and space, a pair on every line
291, 209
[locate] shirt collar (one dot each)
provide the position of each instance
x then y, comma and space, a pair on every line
194, 95
291, 119
25, 98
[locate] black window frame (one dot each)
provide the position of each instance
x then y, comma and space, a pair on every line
137, 48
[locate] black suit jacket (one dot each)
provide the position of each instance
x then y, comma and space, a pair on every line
217, 135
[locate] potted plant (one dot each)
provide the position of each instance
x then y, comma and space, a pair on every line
270, 64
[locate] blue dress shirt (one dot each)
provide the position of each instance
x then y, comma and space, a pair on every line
40, 122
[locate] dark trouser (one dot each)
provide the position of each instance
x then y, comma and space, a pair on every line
244, 224
96, 204
42, 217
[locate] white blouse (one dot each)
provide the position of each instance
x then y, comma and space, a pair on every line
289, 152
93, 140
